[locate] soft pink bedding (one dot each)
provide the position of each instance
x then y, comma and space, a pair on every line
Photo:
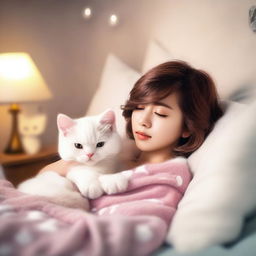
134, 222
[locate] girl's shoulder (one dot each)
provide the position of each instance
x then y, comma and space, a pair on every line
133, 163
179, 159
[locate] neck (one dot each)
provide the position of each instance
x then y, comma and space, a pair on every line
156, 156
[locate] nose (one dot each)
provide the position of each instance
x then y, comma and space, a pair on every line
145, 119
90, 155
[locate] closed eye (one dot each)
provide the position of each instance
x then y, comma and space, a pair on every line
161, 115
139, 108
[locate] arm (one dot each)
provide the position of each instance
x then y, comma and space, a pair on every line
61, 167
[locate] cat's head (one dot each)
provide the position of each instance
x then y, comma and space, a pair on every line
88, 140
32, 125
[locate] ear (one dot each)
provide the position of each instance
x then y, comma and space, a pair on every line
108, 118
185, 134
64, 123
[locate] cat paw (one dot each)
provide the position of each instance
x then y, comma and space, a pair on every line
91, 190
113, 183
86, 181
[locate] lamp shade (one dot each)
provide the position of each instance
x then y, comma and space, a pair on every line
20, 80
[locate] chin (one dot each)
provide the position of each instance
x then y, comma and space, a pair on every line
143, 146
85, 161
147, 148
91, 163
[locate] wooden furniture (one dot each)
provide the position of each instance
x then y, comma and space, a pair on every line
19, 167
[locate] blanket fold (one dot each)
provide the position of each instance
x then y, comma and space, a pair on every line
134, 222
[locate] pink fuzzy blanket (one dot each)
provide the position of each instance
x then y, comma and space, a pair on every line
134, 222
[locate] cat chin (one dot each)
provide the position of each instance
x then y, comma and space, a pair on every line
87, 162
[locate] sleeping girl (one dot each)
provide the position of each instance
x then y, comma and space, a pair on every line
170, 111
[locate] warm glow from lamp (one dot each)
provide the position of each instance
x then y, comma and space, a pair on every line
20, 81
14, 67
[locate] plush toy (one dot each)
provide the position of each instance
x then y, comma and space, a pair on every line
30, 127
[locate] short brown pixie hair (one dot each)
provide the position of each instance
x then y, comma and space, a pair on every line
198, 100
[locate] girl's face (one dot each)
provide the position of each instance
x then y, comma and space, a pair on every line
158, 126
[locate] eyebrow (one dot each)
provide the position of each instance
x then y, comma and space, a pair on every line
158, 103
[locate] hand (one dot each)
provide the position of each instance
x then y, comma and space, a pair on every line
114, 183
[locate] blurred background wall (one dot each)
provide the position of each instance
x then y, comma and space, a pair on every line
70, 51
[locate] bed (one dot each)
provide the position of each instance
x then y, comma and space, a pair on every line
216, 216
213, 210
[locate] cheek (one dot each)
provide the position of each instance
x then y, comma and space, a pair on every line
169, 129
133, 120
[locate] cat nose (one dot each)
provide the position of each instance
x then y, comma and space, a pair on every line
90, 155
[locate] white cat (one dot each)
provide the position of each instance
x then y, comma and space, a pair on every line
93, 143
30, 128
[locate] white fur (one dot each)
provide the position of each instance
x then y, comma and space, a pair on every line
56, 187
113, 183
87, 131
86, 181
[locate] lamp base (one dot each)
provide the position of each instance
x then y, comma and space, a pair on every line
14, 145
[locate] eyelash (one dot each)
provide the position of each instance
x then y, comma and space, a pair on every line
160, 115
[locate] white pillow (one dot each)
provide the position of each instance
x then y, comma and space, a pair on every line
155, 55
116, 82
223, 189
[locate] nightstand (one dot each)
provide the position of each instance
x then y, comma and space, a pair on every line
19, 167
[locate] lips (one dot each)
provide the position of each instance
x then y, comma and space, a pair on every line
142, 136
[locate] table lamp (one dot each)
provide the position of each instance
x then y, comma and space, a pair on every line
20, 82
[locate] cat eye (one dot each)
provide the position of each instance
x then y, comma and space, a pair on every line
78, 145
100, 144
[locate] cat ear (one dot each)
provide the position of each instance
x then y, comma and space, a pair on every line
108, 118
64, 123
